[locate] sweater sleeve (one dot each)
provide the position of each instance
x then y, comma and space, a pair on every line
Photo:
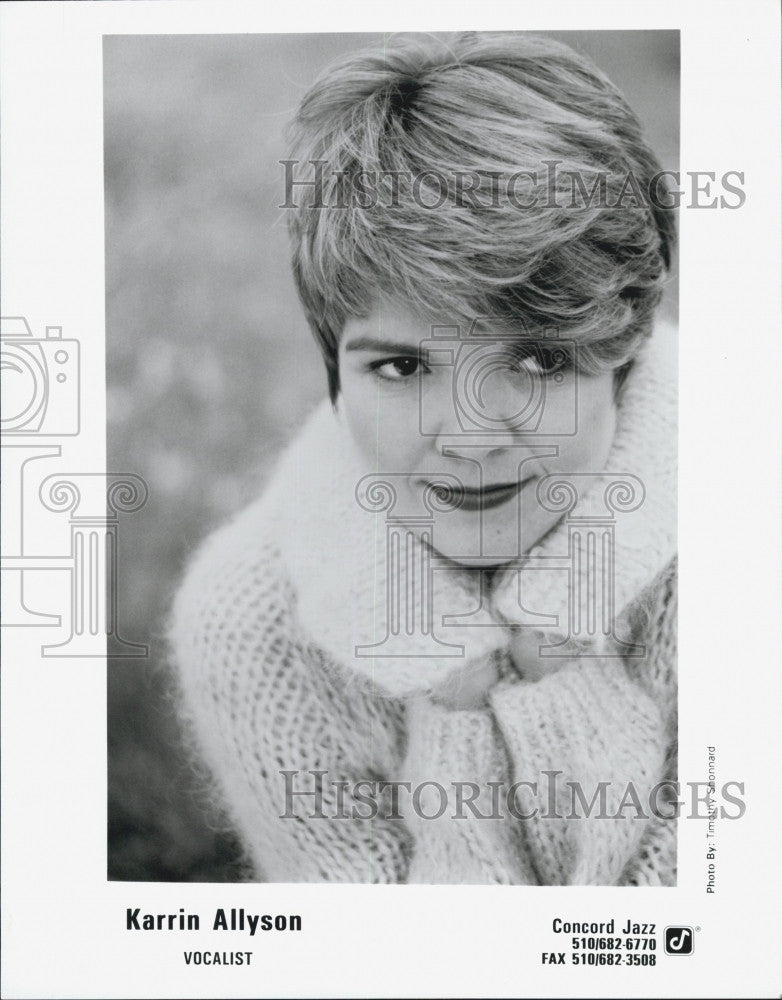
266, 717
458, 815
589, 744
655, 863
594, 739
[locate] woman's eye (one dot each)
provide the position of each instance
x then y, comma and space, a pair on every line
396, 369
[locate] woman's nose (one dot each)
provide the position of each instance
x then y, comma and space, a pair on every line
497, 396
489, 393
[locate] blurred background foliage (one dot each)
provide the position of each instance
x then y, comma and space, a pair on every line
210, 365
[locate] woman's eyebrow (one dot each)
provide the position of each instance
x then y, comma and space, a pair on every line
382, 346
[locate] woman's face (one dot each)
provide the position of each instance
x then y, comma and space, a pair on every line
437, 404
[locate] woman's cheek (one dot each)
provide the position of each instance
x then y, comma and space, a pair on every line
397, 432
373, 422
590, 447
360, 421
393, 427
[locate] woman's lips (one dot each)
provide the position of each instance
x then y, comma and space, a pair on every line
487, 497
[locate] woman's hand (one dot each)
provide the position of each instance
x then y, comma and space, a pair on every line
524, 652
468, 688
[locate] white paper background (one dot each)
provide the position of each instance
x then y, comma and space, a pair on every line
63, 923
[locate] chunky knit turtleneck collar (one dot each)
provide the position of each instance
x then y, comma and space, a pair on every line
336, 550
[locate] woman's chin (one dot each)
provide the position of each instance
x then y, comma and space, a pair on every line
489, 545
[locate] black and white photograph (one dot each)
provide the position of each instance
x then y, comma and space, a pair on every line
391, 532
391, 334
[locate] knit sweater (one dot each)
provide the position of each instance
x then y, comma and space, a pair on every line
287, 684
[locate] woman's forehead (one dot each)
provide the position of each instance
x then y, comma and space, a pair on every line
392, 324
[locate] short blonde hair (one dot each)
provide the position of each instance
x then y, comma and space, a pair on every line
582, 250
